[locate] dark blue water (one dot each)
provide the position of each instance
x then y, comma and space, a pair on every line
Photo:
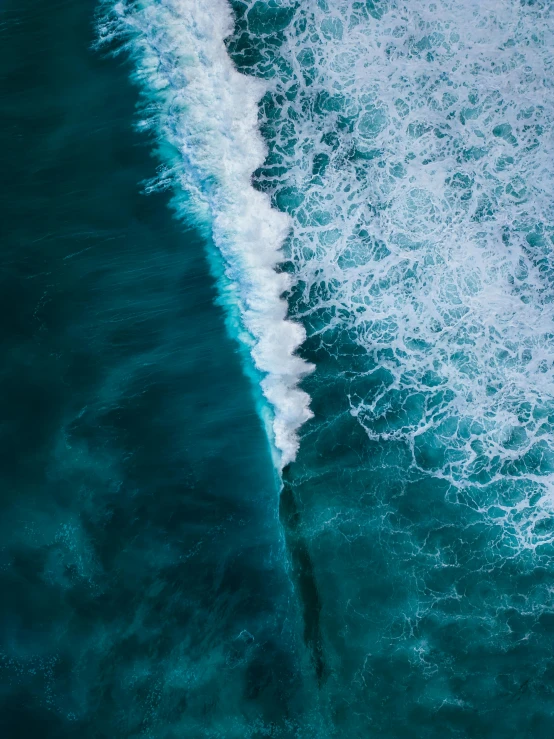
142, 576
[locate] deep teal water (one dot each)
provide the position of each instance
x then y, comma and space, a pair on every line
142, 581
159, 579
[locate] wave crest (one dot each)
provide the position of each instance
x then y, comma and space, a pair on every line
205, 117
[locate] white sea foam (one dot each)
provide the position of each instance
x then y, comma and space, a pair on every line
417, 145
206, 118
426, 234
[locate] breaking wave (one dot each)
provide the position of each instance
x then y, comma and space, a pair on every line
205, 117
407, 151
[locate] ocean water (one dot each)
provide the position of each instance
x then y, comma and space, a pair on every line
142, 571
389, 166
280, 454
411, 146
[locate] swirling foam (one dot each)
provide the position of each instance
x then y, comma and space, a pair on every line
205, 115
412, 146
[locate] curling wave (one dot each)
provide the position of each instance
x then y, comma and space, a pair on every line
205, 116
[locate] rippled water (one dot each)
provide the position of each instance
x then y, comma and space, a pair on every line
410, 147
373, 182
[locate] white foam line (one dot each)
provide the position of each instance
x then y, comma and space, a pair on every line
206, 115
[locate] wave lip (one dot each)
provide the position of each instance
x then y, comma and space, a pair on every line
205, 115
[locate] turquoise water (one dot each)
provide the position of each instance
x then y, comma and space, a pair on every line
411, 145
142, 572
283, 465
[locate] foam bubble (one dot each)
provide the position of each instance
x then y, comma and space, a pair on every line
205, 115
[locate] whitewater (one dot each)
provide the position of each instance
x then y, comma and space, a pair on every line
415, 141
402, 160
